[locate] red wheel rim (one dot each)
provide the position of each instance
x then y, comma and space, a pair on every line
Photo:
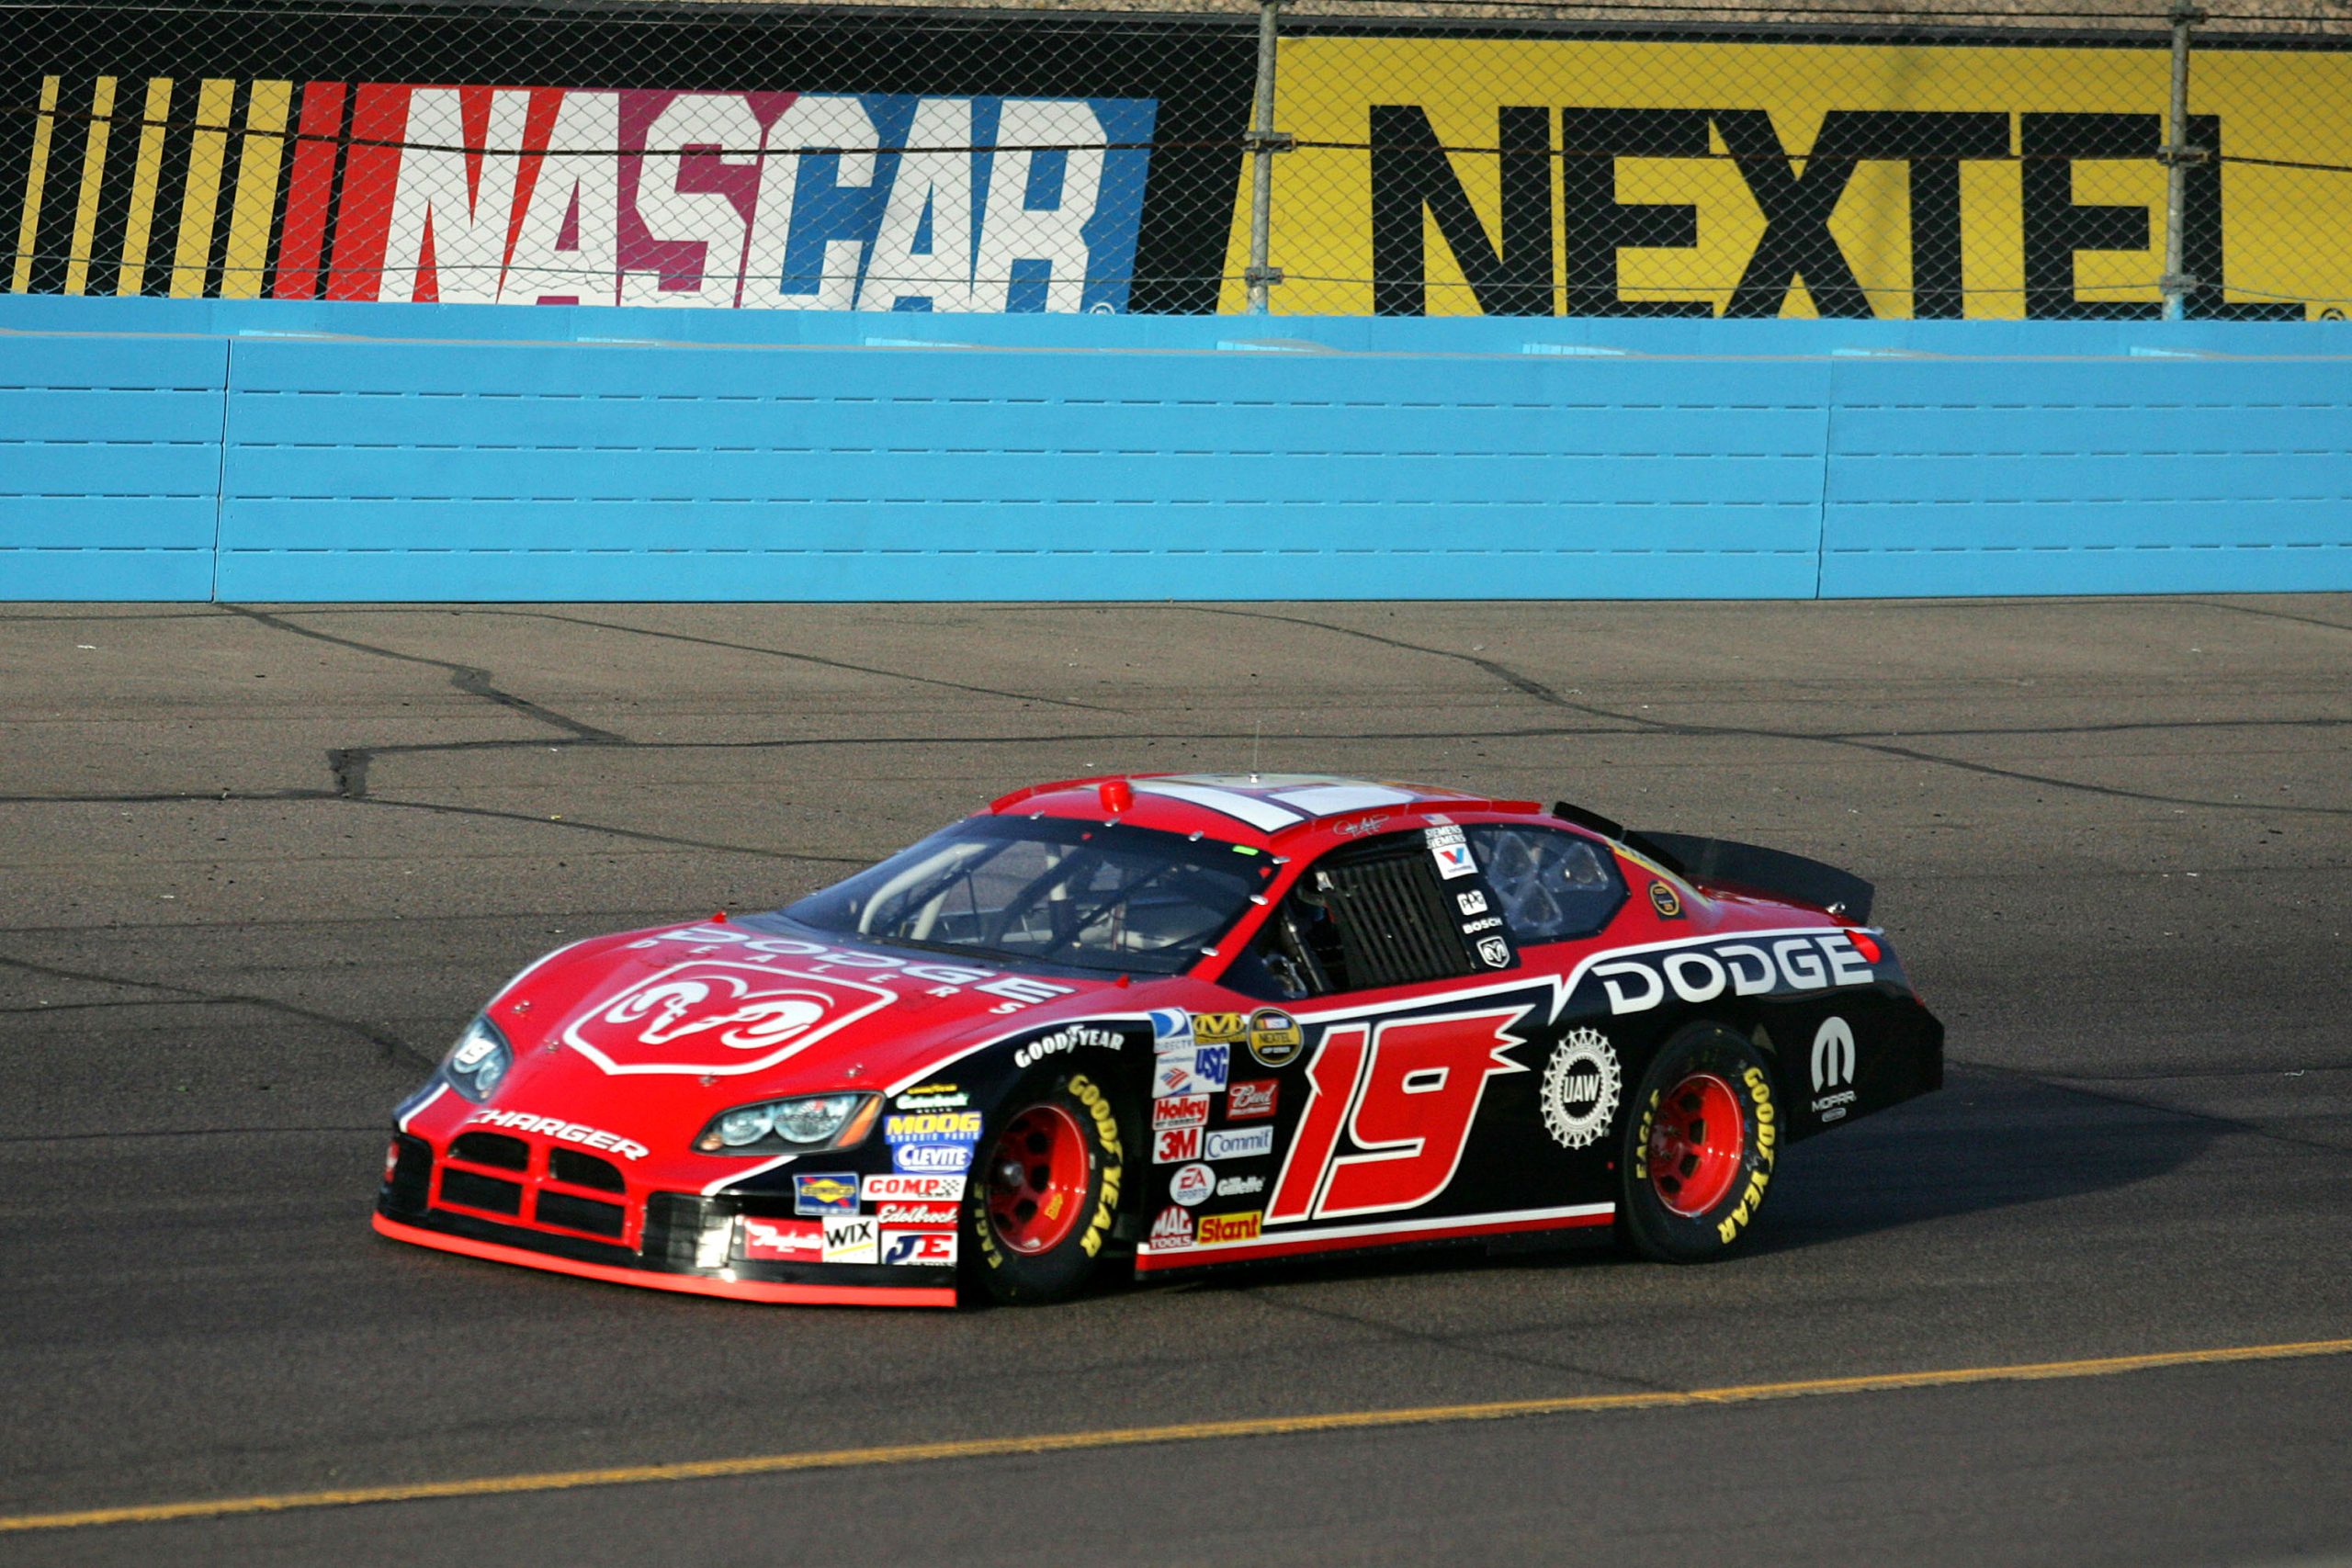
1037, 1178
1696, 1144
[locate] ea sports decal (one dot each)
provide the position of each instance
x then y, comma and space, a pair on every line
712, 1018
1580, 1089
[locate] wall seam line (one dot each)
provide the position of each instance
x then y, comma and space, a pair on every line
221, 471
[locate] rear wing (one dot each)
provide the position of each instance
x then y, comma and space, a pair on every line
1722, 862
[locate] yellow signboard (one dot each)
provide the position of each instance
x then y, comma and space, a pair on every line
1452, 177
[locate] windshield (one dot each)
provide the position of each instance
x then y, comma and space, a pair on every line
1047, 890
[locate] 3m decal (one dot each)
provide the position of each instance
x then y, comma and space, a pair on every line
1191, 1185
1249, 1144
851, 1239
913, 1188
1223, 1230
1833, 1068
1179, 1111
1699, 972
561, 1131
1176, 1145
714, 1017
784, 1241
931, 1248
825, 1194
1389, 1110
1245, 1101
1581, 1084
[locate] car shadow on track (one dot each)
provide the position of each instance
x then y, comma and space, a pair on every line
1989, 1140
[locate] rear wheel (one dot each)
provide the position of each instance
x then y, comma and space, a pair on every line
1699, 1150
1044, 1193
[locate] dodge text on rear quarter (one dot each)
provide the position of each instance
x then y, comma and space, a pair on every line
1147, 1024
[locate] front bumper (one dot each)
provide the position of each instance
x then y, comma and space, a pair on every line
674, 1241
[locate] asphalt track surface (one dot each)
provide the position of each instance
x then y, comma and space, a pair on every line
257, 865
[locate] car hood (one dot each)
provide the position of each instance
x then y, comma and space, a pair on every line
731, 1011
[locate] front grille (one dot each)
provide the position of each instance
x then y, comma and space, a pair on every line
580, 1214
486, 1193
586, 1170
492, 1149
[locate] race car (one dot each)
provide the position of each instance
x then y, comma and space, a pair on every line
1135, 1026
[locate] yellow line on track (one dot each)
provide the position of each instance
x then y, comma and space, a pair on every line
1186, 1432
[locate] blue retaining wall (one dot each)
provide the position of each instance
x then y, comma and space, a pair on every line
167, 449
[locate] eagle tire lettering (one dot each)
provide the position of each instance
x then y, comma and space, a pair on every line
1064, 1267
1705, 1072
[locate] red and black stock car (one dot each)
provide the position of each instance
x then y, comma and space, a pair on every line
1161, 1023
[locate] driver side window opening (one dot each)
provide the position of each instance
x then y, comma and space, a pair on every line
1552, 885
1369, 915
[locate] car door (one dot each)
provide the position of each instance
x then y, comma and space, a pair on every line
1397, 1057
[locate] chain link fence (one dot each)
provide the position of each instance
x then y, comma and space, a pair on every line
1336, 157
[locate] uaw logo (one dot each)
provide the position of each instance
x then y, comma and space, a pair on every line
717, 1018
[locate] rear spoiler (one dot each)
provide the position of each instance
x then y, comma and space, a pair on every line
1720, 861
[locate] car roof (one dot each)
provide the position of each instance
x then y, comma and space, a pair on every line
1258, 809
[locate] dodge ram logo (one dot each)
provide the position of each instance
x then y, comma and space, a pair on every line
715, 1017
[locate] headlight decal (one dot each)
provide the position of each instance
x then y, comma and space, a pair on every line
478, 1062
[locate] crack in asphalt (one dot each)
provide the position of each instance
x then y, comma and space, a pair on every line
376, 1127
1529, 686
392, 1046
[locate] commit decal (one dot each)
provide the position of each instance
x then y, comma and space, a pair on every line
1696, 178
752, 201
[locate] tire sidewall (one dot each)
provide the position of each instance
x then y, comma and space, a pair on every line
1094, 1101
1649, 1226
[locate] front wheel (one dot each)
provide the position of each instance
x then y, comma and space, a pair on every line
1045, 1195
1699, 1153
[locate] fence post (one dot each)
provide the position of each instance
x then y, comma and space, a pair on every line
2177, 156
1263, 145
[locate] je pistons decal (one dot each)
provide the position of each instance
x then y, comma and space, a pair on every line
707, 1015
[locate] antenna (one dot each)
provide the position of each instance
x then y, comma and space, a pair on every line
1257, 729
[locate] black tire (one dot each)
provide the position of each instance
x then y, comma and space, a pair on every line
1690, 1191
1019, 1258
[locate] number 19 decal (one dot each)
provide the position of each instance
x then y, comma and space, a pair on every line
1404, 1094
